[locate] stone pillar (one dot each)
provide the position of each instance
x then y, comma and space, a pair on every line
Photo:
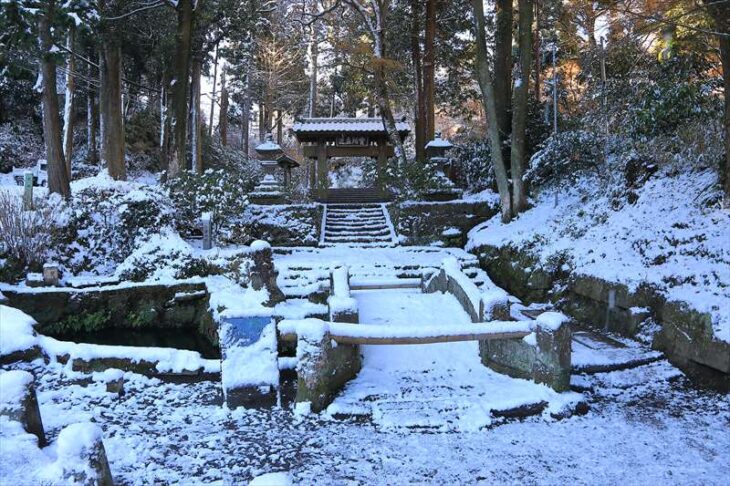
19, 403
323, 369
28, 191
263, 272
82, 455
206, 220
50, 274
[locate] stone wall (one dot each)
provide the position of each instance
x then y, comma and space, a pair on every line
683, 334
279, 224
546, 359
130, 305
422, 223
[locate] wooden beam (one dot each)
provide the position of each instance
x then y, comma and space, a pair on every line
382, 340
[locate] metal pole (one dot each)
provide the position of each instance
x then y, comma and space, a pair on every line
555, 92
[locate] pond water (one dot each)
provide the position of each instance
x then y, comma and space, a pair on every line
161, 338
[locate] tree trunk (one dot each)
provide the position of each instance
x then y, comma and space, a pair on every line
429, 66
503, 65
180, 86
57, 176
164, 121
245, 122
195, 125
420, 118
91, 116
212, 94
112, 137
279, 127
223, 115
722, 22
519, 107
68, 109
313, 67
262, 122
484, 77
536, 52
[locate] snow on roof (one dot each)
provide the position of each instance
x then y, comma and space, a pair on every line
439, 142
370, 125
268, 146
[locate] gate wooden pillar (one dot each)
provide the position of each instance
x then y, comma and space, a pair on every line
322, 173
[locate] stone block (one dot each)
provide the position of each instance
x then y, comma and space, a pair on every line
18, 402
323, 369
82, 456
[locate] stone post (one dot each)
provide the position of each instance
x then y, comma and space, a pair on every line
81, 452
207, 222
28, 191
50, 275
263, 272
18, 402
323, 368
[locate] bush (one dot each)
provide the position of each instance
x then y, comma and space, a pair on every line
218, 191
162, 256
21, 145
565, 157
473, 164
26, 237
108, 219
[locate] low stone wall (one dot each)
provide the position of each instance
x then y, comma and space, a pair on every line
129, 305
279, 224
684, 334
544, 359
422, 223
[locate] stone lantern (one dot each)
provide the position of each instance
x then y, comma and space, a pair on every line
444, 189
270, 190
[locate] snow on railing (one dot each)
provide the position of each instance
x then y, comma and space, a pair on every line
344, 333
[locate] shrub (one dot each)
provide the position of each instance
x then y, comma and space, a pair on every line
162, 256
565, 157
20, 145
26, 237
473, 164
108, 219
218, 191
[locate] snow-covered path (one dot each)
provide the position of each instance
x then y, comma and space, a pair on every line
442, 386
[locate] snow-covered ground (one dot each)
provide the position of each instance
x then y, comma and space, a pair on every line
653, 432
669, 237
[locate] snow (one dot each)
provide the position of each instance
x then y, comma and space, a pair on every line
260, 245
667, 238
344, 125
13, 388
552, 320
166, 360
16, 331
271, 479
77, 440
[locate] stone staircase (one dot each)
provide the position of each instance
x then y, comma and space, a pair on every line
357, 225
352, 195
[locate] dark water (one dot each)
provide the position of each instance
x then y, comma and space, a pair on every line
161, 338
